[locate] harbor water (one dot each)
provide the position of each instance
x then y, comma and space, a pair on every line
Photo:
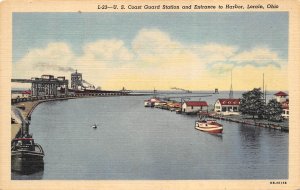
135, 143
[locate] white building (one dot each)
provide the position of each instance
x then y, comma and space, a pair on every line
285, 107
21, 94
281, 97
227, 106
194, 106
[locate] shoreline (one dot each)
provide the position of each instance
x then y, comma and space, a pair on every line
30, 105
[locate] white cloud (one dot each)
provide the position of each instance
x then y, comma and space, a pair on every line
56, 57
154, 59
107, 51
213, 52
258, 56
149, 42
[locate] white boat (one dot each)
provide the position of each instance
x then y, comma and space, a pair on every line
151, 102
210, 126
147, 103
94, 126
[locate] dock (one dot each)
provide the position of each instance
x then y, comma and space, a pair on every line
283, 126
245, 120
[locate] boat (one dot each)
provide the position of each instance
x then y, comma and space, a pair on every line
147, 103
210, 126
151, 102
94, 126
26, 155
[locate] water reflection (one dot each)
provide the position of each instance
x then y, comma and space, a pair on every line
33, 176
218, 136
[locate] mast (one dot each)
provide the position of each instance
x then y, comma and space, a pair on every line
231, 91
263, 86
265, 95
264, 89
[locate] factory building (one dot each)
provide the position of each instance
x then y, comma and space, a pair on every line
76, 80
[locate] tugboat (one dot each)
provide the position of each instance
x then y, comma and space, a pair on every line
26, 155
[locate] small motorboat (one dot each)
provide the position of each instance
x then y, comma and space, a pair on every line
94, 126
147, 103
210, 126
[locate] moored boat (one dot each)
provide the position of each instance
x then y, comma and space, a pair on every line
26, 155
147, 103
151, 102
210, 126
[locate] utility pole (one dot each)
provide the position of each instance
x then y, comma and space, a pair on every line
231, 90
263, 87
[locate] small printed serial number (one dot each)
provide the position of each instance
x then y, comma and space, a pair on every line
278, 182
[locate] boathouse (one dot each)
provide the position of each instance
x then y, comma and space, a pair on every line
227, 106
194, 106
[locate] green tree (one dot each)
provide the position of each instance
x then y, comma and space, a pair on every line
252, 103
273, 110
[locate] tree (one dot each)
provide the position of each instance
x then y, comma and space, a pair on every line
252, 103
273, 110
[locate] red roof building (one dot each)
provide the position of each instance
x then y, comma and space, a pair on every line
194, 106
280, 93
280, 96
285, 107
196, 103
229, 101
26, 92
227, 106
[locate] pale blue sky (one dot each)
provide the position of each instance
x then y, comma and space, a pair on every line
246, 30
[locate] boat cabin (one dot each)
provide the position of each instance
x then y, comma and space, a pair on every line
23, 143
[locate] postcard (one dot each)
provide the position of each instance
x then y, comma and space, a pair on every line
149, 95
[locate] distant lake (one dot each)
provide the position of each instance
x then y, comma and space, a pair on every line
134, 142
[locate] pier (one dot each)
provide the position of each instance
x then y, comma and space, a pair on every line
242, 119
283, 126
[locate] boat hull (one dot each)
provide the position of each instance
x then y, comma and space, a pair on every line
209, 127
27, 161
210, 130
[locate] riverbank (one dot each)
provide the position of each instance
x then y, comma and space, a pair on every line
26, 109
27, 106
243, 119
247, 120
